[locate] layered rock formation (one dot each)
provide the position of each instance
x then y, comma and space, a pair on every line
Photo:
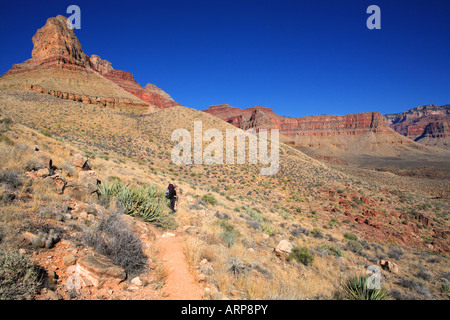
100, 101
323, 125
150, 93
428, 124
57, 47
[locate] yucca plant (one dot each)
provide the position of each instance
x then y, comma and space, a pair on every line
355, 288
147, 202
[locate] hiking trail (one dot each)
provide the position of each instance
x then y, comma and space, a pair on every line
180, 283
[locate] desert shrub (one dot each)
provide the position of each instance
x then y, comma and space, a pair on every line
209, 198
6, 140
268, 229
146, 202
355, 288
229, 233
395, 253
32, 164
424, 275
333, 249
445, 287
302, 255
355, 247
236, 266
112, 237
350, 236
46, 132
416, 285
316, 233
228, 238
10, 178
299, 230
19, 277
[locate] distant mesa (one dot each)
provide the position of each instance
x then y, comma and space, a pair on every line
323, 125
427, 124
55, 46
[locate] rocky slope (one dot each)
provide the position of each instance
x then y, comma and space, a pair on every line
57, 47
428, 124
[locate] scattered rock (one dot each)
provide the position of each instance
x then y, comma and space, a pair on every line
388, 265
80, 162
56, 182
168, 235
98, 269
69, 260
136, 281
52, 295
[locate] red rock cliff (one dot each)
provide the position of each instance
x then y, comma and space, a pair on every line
323, 125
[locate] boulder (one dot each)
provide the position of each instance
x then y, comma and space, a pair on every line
43, 173
43, 159
98, 269
57, 182
284, 248
69, 259
80, 162
90, 180
78, 191
388, 266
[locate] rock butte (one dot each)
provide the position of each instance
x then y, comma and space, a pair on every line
56, 46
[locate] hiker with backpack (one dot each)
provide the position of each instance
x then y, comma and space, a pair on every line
171, 194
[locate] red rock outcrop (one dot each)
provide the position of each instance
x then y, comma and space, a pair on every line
56, 46
428, 124
150, 93
100, 101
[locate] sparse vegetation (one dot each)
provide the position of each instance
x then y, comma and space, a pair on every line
19, 277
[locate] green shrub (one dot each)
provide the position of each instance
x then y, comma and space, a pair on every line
228, 237
316, 233
209, 198
355, 288
45, 132
302, 255
146, 202
355, 247
333, 249
19, 277
350, 236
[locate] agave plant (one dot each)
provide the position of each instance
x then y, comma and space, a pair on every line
147, 202
355, 288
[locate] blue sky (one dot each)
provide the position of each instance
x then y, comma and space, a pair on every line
297, 57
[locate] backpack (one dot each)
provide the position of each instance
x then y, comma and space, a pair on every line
169, 191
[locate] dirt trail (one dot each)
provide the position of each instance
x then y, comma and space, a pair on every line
180, 283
